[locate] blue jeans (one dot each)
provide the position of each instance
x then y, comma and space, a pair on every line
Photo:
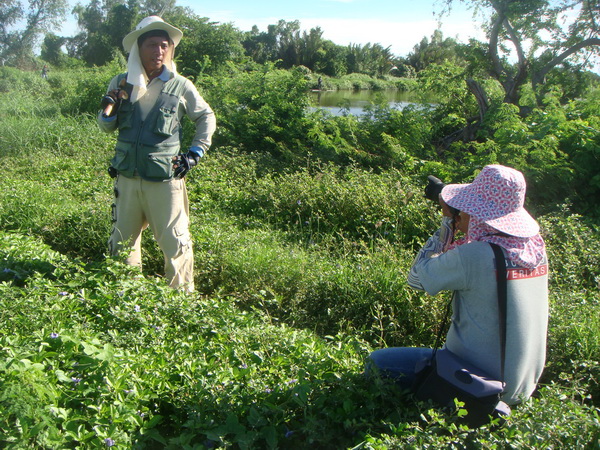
397, 363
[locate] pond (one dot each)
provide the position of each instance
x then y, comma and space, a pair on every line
336, 102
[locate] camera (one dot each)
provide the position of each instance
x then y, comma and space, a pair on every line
434, 189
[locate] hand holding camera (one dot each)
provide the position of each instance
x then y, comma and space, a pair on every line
432, 192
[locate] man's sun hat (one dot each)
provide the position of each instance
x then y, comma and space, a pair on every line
496, 197
151, 23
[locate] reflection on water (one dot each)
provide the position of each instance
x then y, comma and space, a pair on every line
338, 102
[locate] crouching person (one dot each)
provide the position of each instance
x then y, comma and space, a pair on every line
489, 210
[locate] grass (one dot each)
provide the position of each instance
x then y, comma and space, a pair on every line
301, 273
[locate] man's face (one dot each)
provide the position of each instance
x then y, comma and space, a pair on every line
153, 52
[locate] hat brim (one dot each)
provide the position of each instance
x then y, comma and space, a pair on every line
518, 223
174, 33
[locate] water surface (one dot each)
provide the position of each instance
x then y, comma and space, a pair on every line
337, 102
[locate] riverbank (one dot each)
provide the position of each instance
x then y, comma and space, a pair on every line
358, 81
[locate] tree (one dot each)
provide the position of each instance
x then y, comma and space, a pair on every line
104, 24
538, 40
206, 47
332, 61
370, 59
527, 41
435, 51
40, 16
283, 41
51, 49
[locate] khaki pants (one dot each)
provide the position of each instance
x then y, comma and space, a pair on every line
164, 207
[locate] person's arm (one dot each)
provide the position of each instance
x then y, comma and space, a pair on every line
203, 118
435, 245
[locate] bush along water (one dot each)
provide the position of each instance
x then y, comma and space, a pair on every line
304, 227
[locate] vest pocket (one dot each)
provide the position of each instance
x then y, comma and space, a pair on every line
122, 160
159, 165
125, 115
165, 122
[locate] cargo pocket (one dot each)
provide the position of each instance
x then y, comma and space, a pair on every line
159, 166
122, 159
184, 240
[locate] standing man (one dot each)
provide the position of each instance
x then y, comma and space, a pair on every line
146, 106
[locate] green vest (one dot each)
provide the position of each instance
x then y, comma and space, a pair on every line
146, 147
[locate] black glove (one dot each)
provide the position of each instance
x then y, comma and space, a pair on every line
182, 164
113, 100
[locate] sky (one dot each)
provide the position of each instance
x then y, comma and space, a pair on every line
398, 24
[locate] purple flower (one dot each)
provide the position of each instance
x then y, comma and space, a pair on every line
109, 442
244, 366
137, 308
63, 293
292, 381
289, 434
53, 335
268, 391
75, 380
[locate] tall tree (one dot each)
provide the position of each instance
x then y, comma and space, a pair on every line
283, 41
435, 50
206, 47
529, 38
39, 16
370, 59
51, 49
104, 24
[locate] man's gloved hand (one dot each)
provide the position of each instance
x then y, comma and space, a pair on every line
182, 163
110, 103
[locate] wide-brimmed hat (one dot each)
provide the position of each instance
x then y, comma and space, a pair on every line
148, 24
496, 197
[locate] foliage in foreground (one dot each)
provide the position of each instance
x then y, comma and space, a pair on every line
302, 242
101, 356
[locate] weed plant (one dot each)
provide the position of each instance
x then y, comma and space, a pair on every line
304, 229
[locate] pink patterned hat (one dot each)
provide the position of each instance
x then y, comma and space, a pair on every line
496, 197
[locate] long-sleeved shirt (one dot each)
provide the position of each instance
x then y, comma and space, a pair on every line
470, 271
192, 104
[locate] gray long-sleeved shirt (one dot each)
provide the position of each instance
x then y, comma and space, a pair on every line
469, 271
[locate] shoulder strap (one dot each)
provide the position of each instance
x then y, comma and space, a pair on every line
502, 302
502, 307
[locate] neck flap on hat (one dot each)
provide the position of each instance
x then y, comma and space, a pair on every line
524, 252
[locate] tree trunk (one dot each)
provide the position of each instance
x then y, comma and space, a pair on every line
468, 133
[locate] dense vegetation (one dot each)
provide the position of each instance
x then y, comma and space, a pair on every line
304, 228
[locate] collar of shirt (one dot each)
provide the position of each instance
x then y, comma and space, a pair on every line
165, 74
